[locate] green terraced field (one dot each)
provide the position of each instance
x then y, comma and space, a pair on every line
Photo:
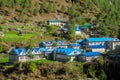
14, 37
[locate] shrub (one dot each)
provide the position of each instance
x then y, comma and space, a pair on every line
31, 67
0, 28
1, 48
18, 66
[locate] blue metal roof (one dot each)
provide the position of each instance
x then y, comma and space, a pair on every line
88, 54
80, 40
43, 49
66, 51
100, 39
19, 50
97, 46
35, 49
46, 50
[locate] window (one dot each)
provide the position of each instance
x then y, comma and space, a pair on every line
22, 57
75, 52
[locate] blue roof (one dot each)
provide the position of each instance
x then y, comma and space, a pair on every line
100, 39
80, 40
66, 51
88, 54
19, 50
74, 44
35, 49
50, 43
77, 28
97, 46
43, 49
46, 50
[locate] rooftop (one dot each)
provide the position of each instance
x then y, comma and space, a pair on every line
53, 20
77, 28
100, 39
97, 46
88, 54
66, 51
87, 25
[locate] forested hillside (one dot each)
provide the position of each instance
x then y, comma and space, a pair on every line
104, 14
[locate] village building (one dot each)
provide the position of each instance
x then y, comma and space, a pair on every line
97, 48
51, 44
59, 23
77, 30
23, 54
88, 56
65, 54
113, 45
97, 40
74, 45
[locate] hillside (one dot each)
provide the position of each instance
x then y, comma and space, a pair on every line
22, 17
52, 70
102, 13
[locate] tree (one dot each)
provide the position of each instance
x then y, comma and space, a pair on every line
102, 76
72, 10
50, 8
0, 28
30, 55
37, 8
54, 44
51, 29
1, 46
71, 31
31, 67
63, 8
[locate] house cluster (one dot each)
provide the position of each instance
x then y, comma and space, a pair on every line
64, 26
82, 50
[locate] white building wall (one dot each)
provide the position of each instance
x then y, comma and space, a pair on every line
77, 32
101, 50
96, 43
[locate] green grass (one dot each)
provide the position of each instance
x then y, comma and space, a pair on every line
4, 58
43, 61
14, 37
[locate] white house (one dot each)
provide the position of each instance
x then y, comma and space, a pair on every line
97, 48
23, 54
97, 41
50, 44
66, 54
77, 30
74, 45
88, 56
56, 22
16, 55
113, 45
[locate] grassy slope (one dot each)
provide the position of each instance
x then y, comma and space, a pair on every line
3, 58
14, 37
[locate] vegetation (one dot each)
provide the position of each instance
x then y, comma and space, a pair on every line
14, 37
102, 14
3, 58
31, 66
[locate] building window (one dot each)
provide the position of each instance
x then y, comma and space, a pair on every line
21, 57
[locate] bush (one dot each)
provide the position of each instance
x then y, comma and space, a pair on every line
18, 66
0, 28
31, 67
74, 67
1, 48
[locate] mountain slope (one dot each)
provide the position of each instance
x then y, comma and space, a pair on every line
101, 13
